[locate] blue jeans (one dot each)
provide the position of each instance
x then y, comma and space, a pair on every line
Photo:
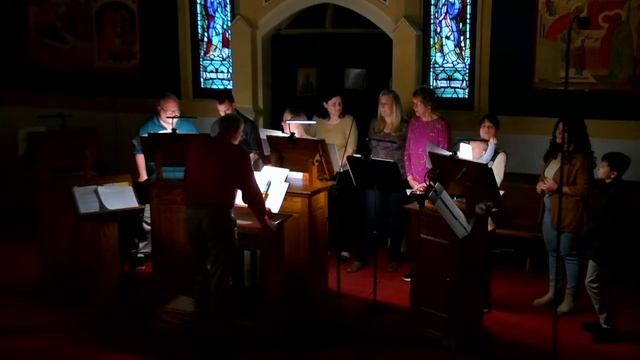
568, 252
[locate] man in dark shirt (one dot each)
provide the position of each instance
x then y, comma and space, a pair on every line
215, 168
251, 135
605, 231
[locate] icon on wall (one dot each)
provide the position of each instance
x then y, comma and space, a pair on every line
59, 36
307, 79
355, 79
116, 34
601, 52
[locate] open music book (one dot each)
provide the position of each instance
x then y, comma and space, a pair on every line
263, 138
97, 198
272, 182
336, 157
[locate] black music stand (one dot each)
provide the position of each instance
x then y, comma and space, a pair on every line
167, 149
378, 175
464, 179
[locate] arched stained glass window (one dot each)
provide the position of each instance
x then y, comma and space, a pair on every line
449, 63
211, 45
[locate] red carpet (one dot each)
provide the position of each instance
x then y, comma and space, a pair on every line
516, 327
33, 328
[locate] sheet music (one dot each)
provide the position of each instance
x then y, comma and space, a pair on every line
437, 149
275, 174
334, 157
271, 181
117, 196
295, 175
86, 198
353, 178
263, 138
465, 152
275, 196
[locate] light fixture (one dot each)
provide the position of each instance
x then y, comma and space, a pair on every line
300, 120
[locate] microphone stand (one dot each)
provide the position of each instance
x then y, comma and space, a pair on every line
292, 135
178, 117
335, 194
563, 155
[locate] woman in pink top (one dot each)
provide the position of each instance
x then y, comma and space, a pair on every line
424, 128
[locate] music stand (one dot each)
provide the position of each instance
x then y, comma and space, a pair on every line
377, 175
301, 154
471, 180
167, 149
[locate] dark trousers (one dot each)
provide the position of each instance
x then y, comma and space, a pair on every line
344, 214
486, 270
385, 219
212, 235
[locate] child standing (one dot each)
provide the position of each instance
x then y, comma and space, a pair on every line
603, 235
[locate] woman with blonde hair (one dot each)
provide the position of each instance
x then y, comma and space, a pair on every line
384, 217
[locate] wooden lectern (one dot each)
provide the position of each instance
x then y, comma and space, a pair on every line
307, 198
448, 271
310, 156
82, 251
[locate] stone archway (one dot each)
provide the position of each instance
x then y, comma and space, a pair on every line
255, 52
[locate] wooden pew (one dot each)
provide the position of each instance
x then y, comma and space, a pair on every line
519, 224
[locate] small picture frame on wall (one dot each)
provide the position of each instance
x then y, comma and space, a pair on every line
307, 81
117, 34
355, 79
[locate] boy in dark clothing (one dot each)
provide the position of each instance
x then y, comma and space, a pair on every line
603, 233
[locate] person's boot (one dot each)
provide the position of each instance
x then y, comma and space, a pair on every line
547, 298
355, 267
566, 305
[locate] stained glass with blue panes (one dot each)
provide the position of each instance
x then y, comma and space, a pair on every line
214, 35
450, 45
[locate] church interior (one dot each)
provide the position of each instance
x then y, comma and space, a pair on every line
79, 78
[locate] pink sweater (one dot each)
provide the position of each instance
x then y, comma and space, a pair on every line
419, 134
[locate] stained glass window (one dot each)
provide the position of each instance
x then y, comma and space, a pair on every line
450, 54
214, 65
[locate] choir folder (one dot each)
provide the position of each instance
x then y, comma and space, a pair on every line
106, 197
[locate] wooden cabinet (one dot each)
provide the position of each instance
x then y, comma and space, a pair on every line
448, 273
307, 252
